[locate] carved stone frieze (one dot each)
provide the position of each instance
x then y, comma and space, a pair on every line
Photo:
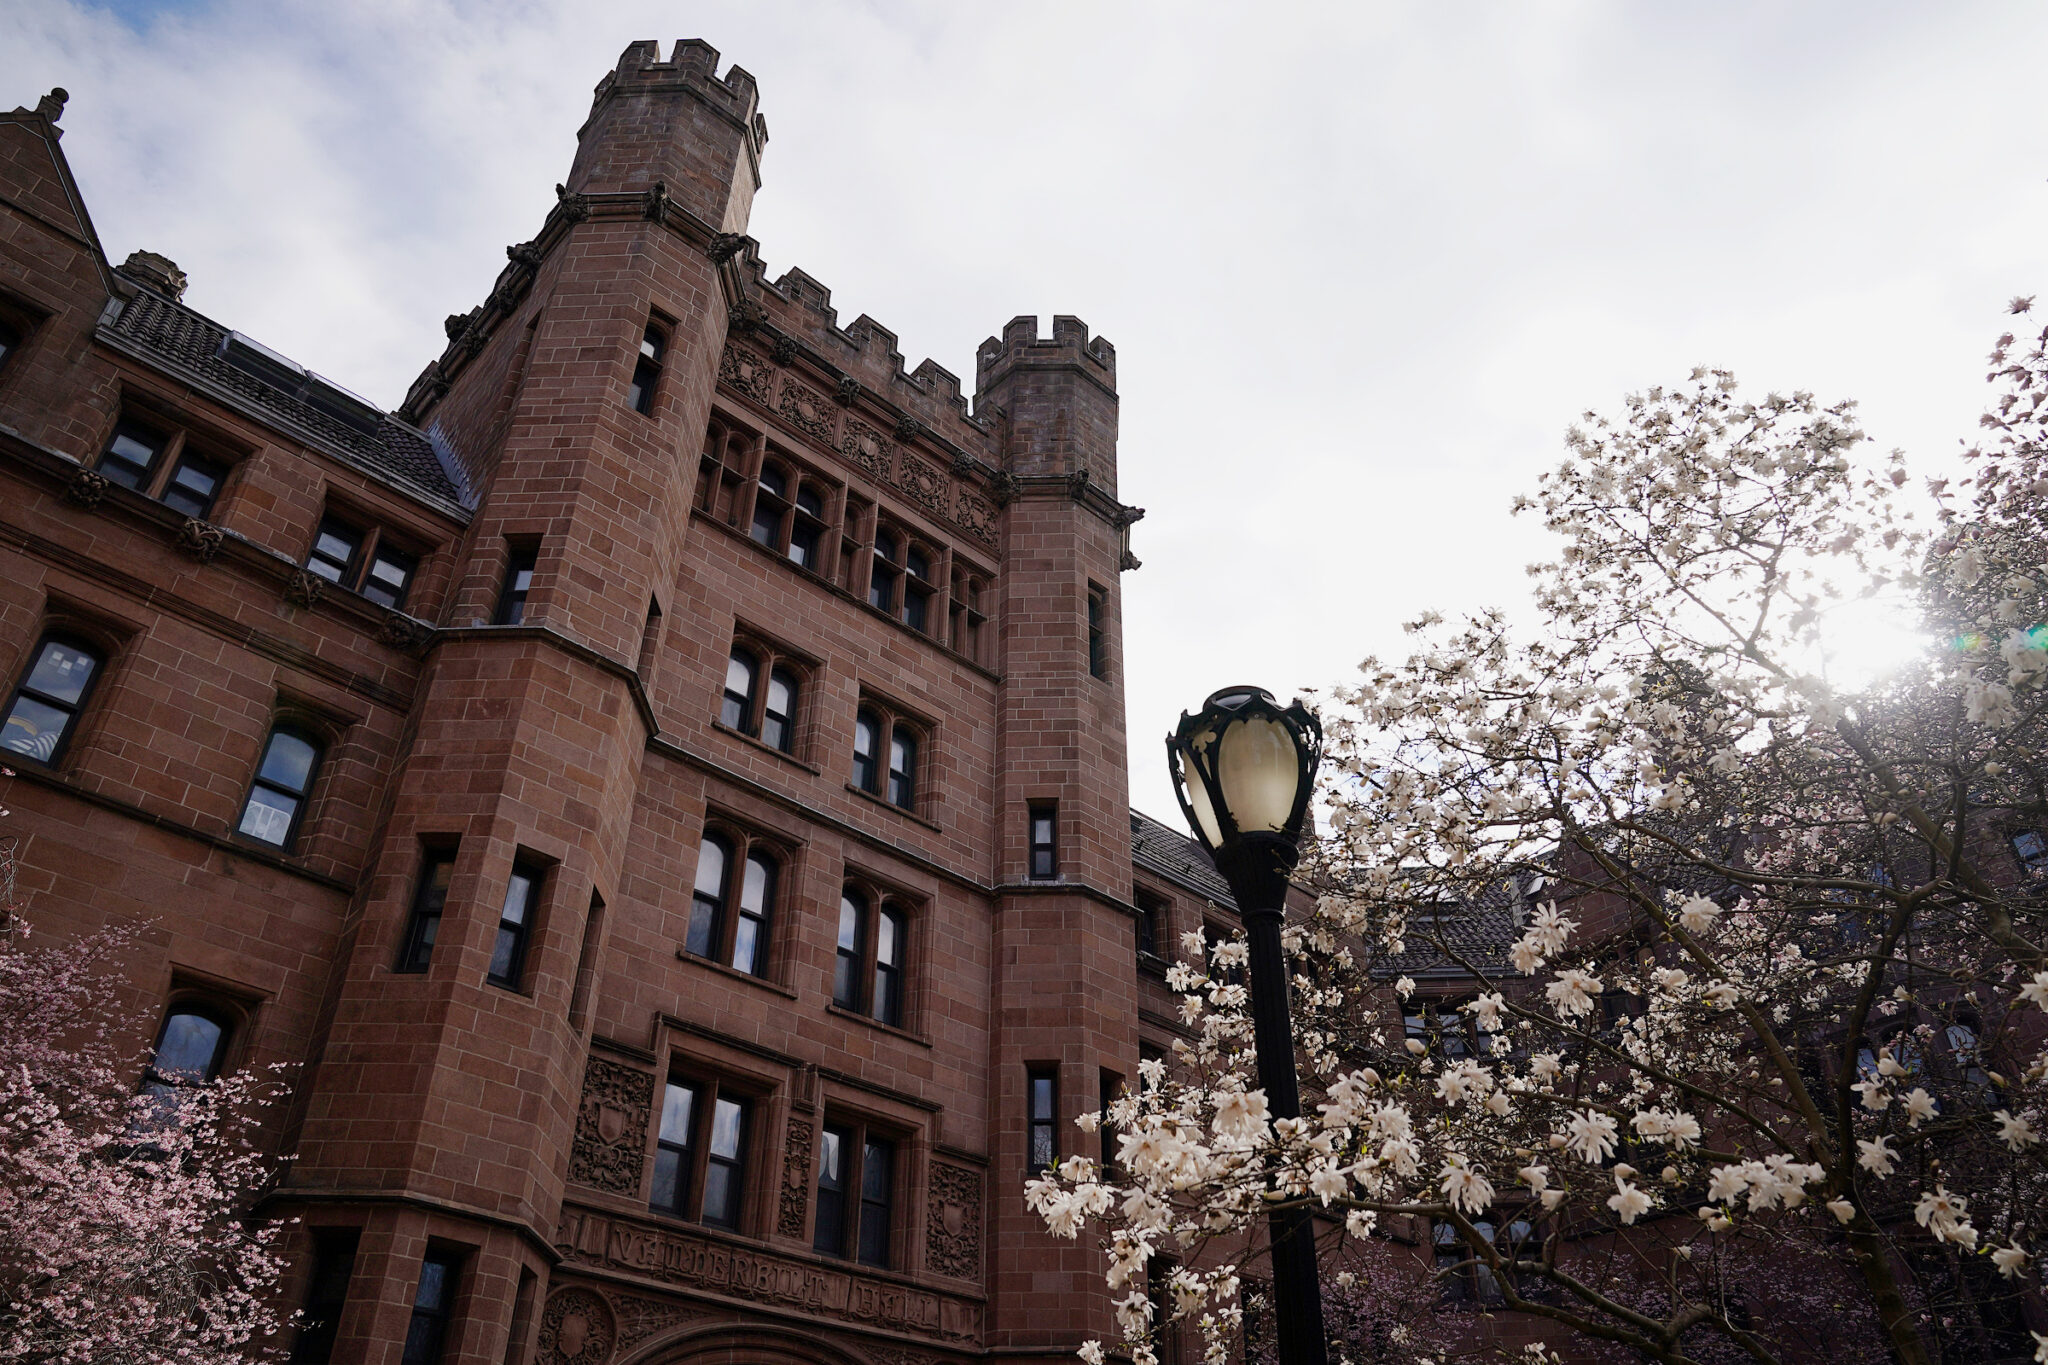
900, 1355
807, 409
783, 352
923, 484
576, 1328
87, 487
611, 1127
640, 1319
975, 515
201, 539
303, 588
746, 371
952, 1234
865, 446
693, 1260
796, 1180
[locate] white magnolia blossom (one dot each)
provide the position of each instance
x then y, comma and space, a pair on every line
2016, 1133
1946, 1216
2010, 1259
1919, 1106
1876, 1156
1843, 1210
1629, 1202
1466, 1187
2035, 991
1697, 914
1590, 1136
1573, 991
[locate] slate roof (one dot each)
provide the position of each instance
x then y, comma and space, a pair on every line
1160, 848
1480, 931
189, 343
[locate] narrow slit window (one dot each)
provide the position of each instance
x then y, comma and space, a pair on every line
1045, 849
515, 925
433, 1304
646, 372
1098, 632
430, 900
518, 583
1042, 1083
856, 1194
334, 1261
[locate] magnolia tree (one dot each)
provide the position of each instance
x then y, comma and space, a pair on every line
1755, 1067
123, 1239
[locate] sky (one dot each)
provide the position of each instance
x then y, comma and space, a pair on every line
1362, 263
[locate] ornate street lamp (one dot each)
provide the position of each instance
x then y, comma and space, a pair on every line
1244, 770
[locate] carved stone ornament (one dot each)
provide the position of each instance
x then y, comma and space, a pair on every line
975, 515
1126, 515
403, 632
796, 1180
725, 246
923, 484
1128, 562
1002, 487
640, 1319
574, 207
87, 487
524, 253
865, 446
611, 1127
963, 463
747, 372
908, 428
1077, 484
807, 409
303, 588
900, 1355
783, 352
656, 206
952, 1234
51, 106
576, 1328
849, 391
745, 316
200, 539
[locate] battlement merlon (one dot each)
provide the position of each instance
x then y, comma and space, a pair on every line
1070, 348
677, 122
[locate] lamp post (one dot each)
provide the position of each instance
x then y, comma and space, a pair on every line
1244, 769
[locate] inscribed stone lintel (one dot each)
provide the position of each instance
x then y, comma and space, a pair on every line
756, 1275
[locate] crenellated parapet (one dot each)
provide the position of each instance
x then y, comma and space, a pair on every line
693, 65
1069, 348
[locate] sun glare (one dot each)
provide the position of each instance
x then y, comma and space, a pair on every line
1864, 640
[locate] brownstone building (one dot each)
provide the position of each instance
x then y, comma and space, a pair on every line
662, 789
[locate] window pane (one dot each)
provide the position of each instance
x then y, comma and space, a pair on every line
34, 729
728, 1118
677, 1105
192, 486
128, 459
61, 673
650, 344
877, 1181
703, 926
830, 1236
808, 501
518, 897
739, 690
190, 1047
1041, 1097
433, 1291
915, 602
758, 886
885, 546
389, 573
887, 937
902, 767
668, 1180
721, 1194
711, 867
268, 816
288, 762
746, 946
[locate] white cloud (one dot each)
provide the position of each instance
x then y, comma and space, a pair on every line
1361, 263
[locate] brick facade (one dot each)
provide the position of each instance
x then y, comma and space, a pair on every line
501, 1107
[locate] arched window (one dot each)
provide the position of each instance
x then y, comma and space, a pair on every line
869, 962
646, 371
852, 950
903, 768
737, 710
867, 742
49, 698
888, 995
732, 902
763, 688
778, 711
277, 798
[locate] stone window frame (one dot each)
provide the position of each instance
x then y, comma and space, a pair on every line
177, 447
648, 365
798, 477
726, 467
376, 538
905, 1192
709, 1084
970, 590
889, 717
879, 896
320, 736
61, 628
743, 842
930, 587
770, 656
